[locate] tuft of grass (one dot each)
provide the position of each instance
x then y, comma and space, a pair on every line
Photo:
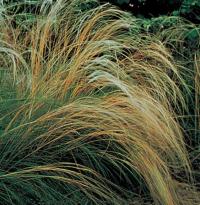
183, 39
197, 95
87, 112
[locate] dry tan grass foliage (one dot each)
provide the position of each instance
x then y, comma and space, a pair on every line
92, 96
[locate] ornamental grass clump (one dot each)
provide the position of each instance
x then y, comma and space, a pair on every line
183, 39
87, 112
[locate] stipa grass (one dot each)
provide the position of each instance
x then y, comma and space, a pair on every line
87, 112
183, 39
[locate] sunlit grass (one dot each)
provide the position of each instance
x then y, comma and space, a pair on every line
88, 112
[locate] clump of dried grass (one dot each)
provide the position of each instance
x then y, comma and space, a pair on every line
87, 115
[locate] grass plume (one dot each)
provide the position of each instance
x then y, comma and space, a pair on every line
87, 111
